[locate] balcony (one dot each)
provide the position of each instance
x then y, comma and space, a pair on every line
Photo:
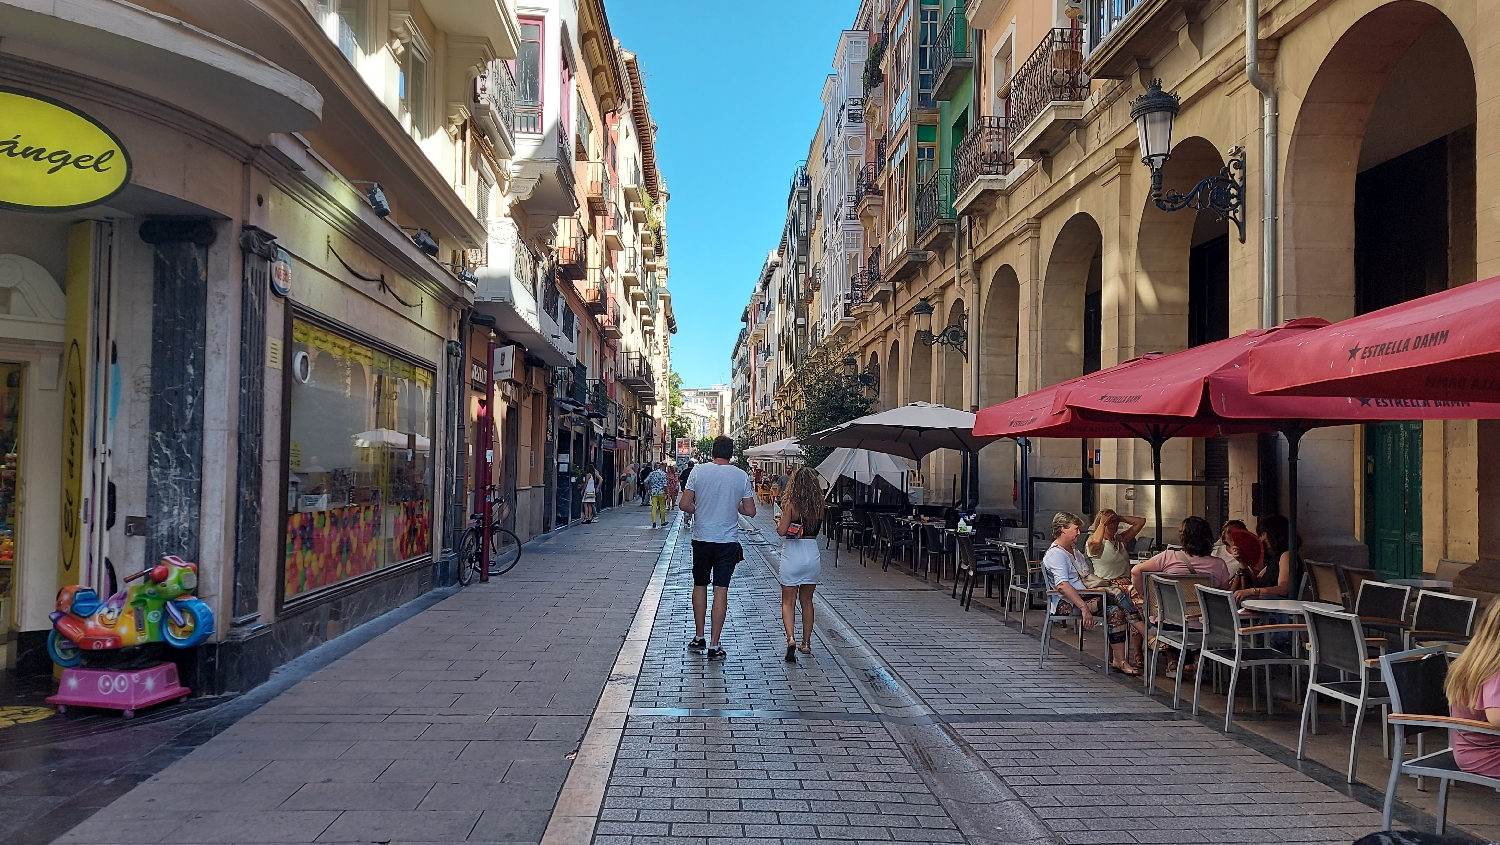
873, 285
495, 107
571, 248
596, 186
542, 178
609, 321
868, 197
507, 290
953, 56
1047, 95
631, 181
630, 272
880, 151
594, 291
981, 165
935, 216
614, 224
852, 113
1120, 31
634, 371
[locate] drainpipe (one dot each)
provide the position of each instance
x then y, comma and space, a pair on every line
1269, 140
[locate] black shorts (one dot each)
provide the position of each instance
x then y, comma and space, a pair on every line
716, 560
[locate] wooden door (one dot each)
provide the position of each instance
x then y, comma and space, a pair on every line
1393, 503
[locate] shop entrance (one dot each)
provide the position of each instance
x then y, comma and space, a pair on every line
11, 400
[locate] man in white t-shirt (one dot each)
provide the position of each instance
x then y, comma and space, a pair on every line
715, 496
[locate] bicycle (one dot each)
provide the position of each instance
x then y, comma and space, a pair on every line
505, 546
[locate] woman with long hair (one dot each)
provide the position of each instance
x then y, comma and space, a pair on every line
801, 517
1473, 689
591, 482
1274, 578
674, 486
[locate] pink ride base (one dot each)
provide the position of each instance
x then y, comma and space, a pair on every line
126, 691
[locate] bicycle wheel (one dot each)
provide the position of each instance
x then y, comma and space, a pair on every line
468, 557
505, 551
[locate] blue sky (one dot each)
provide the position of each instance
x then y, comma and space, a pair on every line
735, 92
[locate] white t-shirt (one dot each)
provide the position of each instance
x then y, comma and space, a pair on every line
1063, 568
717, 491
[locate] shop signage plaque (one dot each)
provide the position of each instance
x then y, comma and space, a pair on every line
281, 273
54, 157
504, 365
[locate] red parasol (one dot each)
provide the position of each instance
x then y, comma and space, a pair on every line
1445, 346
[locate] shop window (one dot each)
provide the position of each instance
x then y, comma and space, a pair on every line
359, 488
10, 474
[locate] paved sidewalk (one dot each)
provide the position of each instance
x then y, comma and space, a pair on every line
457, 725
911, 721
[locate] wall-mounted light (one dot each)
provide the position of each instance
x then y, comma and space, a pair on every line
955, 336
1154, 113
375, 196
463, 272
423, 239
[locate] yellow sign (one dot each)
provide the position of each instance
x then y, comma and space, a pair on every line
54, 157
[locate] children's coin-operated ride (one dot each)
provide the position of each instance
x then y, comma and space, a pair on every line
160, 609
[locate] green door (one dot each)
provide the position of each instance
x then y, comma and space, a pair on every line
1393, 505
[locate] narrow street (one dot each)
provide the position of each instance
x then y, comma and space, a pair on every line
911, 721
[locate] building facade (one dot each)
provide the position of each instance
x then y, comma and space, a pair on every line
256, 333
1010, 195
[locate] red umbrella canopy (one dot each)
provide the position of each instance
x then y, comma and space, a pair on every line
1445, 346
1209, 384
1045, 412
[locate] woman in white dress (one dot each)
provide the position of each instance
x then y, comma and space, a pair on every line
801, 517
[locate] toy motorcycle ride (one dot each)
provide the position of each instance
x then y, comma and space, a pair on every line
161, 609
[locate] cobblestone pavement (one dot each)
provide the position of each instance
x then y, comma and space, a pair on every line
914, 721
911, 721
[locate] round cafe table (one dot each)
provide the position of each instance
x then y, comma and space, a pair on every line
1292, 607
1423, 584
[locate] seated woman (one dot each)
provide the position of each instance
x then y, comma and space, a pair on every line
1194, 558
1246, 556
1110, 562
1473, 689
1274, 579
1066, 569
1221, 548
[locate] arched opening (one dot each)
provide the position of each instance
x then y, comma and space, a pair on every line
1182, 300
919, 379
890, 385
873, 387
1071, 335
999, 335
1380, 187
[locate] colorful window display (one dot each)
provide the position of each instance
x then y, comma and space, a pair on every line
359, 481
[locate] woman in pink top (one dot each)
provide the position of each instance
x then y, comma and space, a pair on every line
1195, 558
1473, 689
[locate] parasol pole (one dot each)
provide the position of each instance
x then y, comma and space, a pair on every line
1293, 436
1156, 441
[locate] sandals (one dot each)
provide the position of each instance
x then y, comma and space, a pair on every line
1124, 668
805, 648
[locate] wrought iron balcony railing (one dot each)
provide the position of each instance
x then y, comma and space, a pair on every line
565, 159
935, 201
570, 247
872, 265
495, 100
952, 54
1053, 73
985, 151
880, 151
865, 184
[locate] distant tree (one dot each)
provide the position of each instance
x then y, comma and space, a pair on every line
676, 425
742, 443
826, 396
704, 449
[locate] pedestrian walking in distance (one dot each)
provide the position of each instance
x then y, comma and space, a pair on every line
687, 471
801, 517
591, 482
716, 495
656, 484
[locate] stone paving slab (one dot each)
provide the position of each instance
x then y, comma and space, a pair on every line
457, 725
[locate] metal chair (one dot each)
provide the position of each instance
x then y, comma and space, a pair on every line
1441, 618
1026, 581
1354, 577
1415, 681
934, 545
893, 538
1173, 627
1381, 608
1449, 570
1326, 584
1188, 585
973, 562
1224, 642
1338, 643
1053, 597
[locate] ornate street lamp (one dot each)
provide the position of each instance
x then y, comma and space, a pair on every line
867, 379
1222, 193
954, 336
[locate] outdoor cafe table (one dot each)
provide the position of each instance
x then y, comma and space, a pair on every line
1423, 584
1291, 607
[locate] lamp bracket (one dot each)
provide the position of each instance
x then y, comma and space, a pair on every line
1222, 193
